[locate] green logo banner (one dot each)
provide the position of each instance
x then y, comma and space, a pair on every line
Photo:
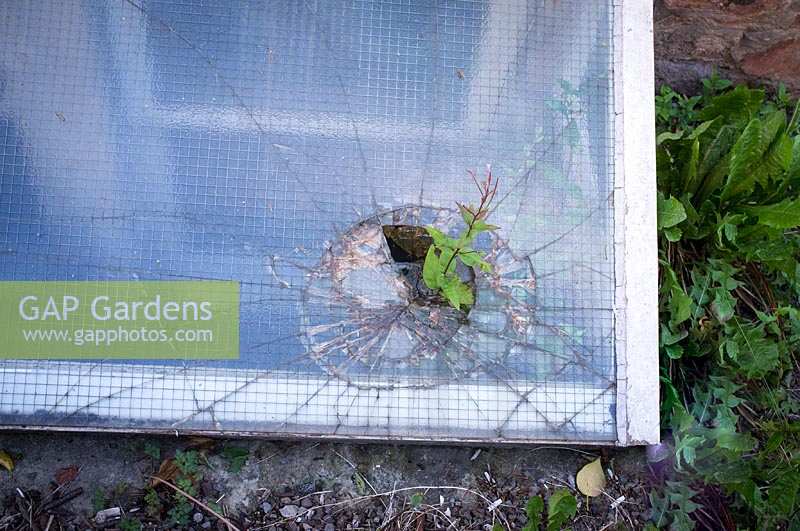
120, 320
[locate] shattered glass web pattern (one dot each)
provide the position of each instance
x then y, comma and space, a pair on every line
262, 143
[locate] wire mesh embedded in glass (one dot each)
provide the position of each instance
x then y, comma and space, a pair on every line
268, 143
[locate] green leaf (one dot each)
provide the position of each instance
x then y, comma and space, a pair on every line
438, 236
663, 165
782, 494
187, 462
723, 304
723, 274
659, 508
472, 258
456, 292
686, 443
668, 337
445, 257
727, 438
748, 490
432, 269
745, 153
533, 510
714, 179
774, 125
793, 172
680, 306
777, 159
668, 135
777, 151
673, 234
679, 501
416, 500
700, 129
795, 119
783, 215
670, 400
99, 500
728, 228
561, 507
152, 450
481, 226
690, 168
715, 84
737, 105
758, 358
750, 350
715, 152
670, 212
774, 442
674, 352
466, 215
129, 524
755, 157
236, 457
440, 239
360, 483
686, 449
701, 281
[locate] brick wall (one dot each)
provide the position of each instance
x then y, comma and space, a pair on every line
752, 41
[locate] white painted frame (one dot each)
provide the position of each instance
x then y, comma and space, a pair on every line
635, 237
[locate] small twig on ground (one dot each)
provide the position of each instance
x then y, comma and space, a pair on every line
389, 512
590, 454
316, 493
346, 460
265, 459
198, 502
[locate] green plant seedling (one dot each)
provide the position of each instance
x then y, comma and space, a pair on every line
440, 268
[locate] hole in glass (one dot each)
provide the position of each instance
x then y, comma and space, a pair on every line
408, 245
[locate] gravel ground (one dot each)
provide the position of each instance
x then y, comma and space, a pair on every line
66, 479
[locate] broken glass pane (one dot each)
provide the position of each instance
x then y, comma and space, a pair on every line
300, 148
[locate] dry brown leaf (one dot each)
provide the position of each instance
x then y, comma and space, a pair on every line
66, 474
167, 471
6, 461
591, 480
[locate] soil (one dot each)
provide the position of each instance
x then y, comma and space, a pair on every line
306, 485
